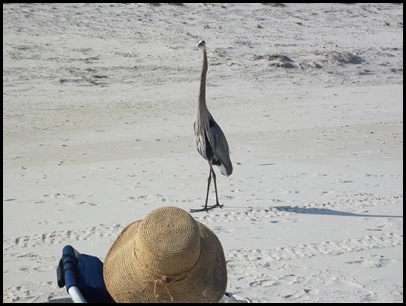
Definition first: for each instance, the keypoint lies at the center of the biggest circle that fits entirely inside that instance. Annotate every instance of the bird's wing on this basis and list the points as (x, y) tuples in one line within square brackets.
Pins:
[(219, 144)]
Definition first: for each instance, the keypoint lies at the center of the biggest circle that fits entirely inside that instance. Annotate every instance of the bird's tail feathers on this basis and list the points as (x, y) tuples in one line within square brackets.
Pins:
[(226, 170)]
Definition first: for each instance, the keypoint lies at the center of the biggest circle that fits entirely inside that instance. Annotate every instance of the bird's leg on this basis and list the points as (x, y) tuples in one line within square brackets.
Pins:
[(208, 187), (207, 208), (215, 188), (207, 193)]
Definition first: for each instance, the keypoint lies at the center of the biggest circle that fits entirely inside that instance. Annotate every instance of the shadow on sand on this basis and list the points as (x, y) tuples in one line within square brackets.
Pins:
[(326, 211)]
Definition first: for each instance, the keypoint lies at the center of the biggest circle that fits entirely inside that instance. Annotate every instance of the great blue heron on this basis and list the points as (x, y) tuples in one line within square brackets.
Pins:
[(210, 140)]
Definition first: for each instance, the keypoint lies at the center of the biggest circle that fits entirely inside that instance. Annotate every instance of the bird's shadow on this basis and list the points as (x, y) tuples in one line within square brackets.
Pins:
[(327, 211)]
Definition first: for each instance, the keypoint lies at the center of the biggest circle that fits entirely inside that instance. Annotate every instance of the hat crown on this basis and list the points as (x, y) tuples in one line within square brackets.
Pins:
[(168, 242)]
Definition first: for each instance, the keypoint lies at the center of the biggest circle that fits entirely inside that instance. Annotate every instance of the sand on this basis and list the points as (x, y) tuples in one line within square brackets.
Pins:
[(99, 102)]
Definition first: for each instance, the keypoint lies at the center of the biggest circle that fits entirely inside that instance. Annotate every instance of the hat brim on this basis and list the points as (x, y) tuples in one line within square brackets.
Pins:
[(127, 281)]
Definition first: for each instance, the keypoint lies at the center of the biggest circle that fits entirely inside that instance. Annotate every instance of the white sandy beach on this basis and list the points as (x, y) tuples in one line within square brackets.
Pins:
[(99, 102)]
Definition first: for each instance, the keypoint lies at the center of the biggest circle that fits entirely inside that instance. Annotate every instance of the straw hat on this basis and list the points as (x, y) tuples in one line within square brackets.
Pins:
[(166, 257)]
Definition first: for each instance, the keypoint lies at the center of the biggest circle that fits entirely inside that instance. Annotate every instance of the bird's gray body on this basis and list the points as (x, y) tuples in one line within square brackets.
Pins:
[(212, 144), (210, 140)]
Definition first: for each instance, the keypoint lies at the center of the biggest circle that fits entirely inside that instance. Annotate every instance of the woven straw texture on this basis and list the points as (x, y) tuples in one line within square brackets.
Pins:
[(166, 257)]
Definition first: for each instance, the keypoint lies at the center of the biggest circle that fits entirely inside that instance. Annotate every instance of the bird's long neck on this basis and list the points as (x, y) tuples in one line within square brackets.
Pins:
[(202, 94)]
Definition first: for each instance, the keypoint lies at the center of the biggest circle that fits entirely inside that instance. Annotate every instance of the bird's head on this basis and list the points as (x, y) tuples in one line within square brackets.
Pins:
[(201, 45)]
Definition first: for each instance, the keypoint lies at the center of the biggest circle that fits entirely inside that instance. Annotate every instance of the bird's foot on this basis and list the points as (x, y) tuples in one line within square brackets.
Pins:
[(214, 206), (198, 209), (206, 208)]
